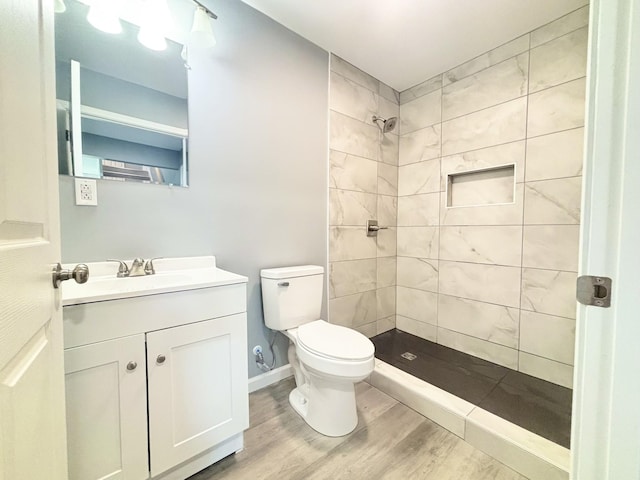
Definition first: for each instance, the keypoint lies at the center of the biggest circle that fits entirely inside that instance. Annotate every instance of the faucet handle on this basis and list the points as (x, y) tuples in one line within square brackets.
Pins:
[(148, 267), (123, 270)]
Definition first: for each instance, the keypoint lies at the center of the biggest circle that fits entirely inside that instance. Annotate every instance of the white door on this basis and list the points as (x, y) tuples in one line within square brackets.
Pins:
[(32, 418), (606, 420), (106, 387), (197, 388)]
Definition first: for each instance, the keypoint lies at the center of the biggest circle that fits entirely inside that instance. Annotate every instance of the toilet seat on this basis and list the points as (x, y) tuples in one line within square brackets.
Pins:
[(320, 346), (334, 342)]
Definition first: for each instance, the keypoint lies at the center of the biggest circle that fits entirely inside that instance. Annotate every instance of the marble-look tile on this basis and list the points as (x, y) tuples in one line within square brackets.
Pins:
[(492, 126), (554, 372), (548, 336), (549, 291), (497, 84), (496, 245), (418, 273), (509, 153), (556, 155), (553, 201), (389, 93), (386, 242), (387, 210), (387, 109), (345, 69), (417, 328), (532, 455), (497, 55), (556, 108), (368, 329), (554, 247), (434, 403), (353, 310), (421, 242), (568, 23), (486, 321), (349, 277), (417, 304), (389, 148), (495, 186), (428, 86), (349, 172), (350, 243), (486, 283), (352, 99), (419, 210), (421, 112), (386, 271), (422, 177), (386, 301), (507, 214), (385, 324), (505, 356), (352, 136), (423, 144), (559, 61), (347, 207), (387, 179)]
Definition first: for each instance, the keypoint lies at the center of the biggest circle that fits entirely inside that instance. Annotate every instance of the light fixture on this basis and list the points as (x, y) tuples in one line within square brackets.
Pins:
[(59, 6), (103, 14), (201, 31), (156, 23)]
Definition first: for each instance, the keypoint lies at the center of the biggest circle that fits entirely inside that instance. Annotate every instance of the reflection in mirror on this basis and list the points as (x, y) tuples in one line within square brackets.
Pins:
[(122, 108)]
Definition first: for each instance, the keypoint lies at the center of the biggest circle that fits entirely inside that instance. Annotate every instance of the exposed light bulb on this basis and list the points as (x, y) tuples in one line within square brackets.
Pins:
[(201, 32), (103, 15), (59, 6), (155, 24)]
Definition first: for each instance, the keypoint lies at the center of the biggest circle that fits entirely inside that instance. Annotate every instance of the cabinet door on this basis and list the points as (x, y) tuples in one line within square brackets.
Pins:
[(107, 410), (198, 397)]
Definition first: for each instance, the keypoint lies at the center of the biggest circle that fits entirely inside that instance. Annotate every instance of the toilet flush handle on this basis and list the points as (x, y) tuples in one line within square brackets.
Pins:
[(283, 284)]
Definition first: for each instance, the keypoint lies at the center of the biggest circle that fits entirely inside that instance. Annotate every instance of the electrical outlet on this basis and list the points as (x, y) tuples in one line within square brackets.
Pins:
[(86, 192)]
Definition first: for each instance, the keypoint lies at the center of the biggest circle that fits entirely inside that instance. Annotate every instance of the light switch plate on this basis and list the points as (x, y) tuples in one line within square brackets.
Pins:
[(86, 192)]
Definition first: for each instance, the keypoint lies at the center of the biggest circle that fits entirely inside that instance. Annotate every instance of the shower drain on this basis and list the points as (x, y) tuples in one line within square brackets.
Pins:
[(409, 356)]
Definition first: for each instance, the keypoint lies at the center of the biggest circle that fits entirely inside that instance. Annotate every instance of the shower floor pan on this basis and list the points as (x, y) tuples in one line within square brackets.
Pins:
[(522, 421)]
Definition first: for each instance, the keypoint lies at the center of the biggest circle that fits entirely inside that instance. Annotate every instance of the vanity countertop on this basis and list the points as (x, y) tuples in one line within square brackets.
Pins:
[(172, 275)]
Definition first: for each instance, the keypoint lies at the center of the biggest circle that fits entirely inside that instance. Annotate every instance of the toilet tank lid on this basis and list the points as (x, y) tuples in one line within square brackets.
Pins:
[(289, 272)]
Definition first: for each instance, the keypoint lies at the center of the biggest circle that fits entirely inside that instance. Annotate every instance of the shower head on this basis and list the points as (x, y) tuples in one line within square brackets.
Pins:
[(387, 124)]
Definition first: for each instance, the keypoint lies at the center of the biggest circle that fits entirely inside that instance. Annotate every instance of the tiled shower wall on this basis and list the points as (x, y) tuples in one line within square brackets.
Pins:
[(496, 280), (363, 185)]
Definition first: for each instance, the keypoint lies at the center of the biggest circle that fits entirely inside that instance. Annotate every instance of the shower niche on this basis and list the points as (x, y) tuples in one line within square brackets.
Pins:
[(486, 186)]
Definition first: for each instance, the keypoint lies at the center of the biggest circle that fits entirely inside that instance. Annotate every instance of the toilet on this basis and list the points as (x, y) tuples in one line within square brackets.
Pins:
[(327, 359)]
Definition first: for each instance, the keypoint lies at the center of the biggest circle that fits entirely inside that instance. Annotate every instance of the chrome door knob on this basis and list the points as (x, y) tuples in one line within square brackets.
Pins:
[(80, 274), (160, 359), (132, 366)]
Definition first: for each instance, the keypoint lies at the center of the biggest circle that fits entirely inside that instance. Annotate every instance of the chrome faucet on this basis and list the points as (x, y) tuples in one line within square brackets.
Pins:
[(138, 268)]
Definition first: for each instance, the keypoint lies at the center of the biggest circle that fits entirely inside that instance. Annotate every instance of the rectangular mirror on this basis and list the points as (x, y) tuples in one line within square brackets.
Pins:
[(122, 108)]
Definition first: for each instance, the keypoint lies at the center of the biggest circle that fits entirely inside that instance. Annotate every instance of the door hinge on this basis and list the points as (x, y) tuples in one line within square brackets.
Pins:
[(594, 290)]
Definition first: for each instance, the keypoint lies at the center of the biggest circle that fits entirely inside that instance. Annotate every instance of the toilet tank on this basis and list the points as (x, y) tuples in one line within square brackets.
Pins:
[(291, 296)]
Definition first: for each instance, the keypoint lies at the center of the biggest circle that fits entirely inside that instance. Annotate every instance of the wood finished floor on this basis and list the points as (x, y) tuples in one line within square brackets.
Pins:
[(391, 441)]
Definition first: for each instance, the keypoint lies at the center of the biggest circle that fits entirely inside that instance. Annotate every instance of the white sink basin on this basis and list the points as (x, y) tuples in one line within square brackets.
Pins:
[(172, 275)]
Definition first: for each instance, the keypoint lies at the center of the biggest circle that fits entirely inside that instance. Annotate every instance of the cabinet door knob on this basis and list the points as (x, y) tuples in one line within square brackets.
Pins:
[(161, 358), (132, 366)]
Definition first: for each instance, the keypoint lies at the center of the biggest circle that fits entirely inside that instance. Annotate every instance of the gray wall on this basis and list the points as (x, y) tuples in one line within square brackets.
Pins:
[(258, 154)]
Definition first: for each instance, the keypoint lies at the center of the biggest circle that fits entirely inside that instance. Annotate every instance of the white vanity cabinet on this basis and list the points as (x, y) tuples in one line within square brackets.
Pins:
[(156, 384), (106, 392)]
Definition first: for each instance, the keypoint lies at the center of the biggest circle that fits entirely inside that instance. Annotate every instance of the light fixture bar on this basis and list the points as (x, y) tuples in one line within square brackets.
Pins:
[(209, 12)]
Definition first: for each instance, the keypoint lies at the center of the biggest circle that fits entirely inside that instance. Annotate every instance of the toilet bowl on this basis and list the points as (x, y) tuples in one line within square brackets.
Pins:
[(327, 359)]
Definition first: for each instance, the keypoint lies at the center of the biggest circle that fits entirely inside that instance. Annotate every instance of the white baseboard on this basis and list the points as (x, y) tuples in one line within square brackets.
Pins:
[(269, 378)]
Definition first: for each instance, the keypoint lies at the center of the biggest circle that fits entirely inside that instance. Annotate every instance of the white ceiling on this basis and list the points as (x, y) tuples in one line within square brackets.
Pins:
[(404, 42)]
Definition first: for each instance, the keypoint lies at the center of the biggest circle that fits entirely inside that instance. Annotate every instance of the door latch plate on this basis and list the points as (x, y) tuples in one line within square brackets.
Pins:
[(594, 290)]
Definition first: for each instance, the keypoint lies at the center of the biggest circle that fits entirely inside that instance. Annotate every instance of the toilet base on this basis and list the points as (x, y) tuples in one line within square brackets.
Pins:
[(329, 407)]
